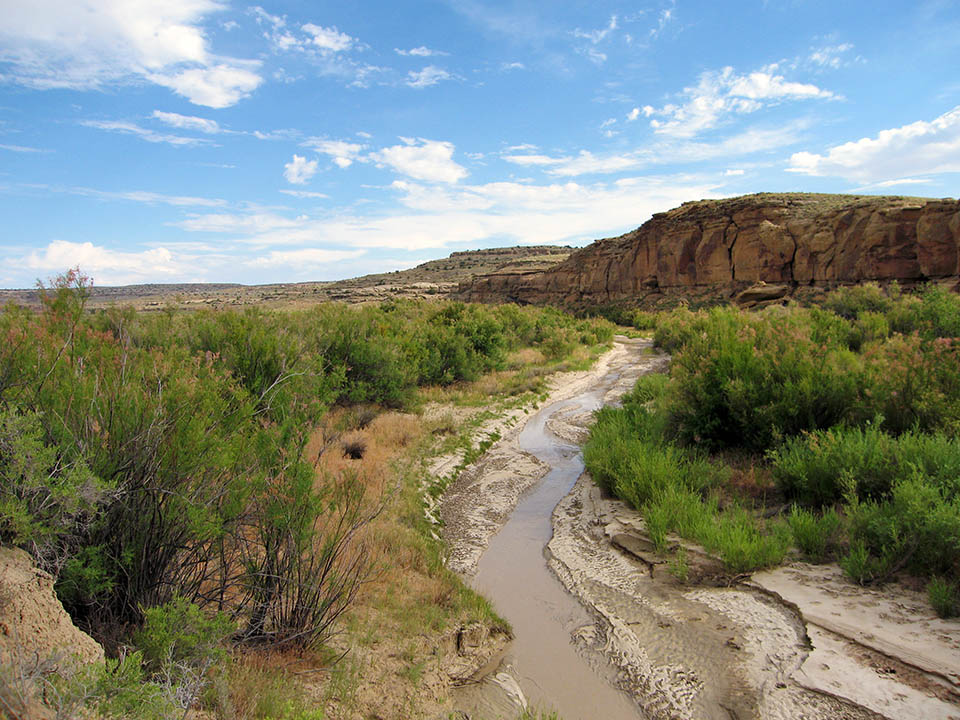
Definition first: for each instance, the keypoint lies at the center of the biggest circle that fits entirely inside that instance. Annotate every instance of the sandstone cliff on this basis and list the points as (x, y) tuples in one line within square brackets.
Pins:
[(722, 248)]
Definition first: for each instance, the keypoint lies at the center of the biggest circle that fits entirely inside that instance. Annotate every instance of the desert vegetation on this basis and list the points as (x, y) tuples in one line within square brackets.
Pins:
[(189, 478), (831, 429)]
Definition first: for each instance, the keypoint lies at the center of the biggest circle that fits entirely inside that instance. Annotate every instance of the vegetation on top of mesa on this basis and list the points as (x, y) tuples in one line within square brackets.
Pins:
[(149, 459), (849, 411)]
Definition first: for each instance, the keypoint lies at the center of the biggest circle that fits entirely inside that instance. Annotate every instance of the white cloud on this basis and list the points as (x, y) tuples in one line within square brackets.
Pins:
[(919, 148), (733, 173), (244, 224), (718, 95), (299, 170), (149, 198), (533, 159), (306, 259), (507, 212), (110, 267), (430, 75), (187, 122), (430, 160), (343, 153), (216, 86), (664, 152), (513, 66), (664, 19), (129, 128), (90, 44), (421, 51), (328, 40), (633, 114)]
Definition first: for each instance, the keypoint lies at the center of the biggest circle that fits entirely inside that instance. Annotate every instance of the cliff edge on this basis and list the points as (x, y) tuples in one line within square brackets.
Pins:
[(735, 247)]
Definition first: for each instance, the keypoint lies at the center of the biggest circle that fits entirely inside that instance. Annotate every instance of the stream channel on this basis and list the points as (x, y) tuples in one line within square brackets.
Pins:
[(513, 573)]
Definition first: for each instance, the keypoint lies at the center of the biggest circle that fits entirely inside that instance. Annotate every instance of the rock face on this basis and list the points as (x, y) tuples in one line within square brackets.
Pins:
[(34, 627), (720, 248)]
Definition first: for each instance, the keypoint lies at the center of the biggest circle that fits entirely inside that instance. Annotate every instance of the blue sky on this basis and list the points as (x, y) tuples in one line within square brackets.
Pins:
[(204, 141)]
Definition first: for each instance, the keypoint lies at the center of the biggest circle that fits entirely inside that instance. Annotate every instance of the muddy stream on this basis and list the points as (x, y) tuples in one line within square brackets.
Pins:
[(602, 628), (514, 575)]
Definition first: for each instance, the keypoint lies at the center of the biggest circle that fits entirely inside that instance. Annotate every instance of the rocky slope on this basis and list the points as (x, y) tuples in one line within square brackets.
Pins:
[(753, 247)]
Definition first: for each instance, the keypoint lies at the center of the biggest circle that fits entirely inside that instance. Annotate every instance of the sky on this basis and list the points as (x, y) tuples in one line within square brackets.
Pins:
[(214, 141)]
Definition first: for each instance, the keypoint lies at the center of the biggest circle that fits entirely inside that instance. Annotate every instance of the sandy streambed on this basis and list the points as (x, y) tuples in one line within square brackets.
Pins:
[(603, 629)]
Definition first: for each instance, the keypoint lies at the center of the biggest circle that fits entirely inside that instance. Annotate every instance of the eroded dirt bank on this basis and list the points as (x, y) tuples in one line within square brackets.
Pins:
[(796, 642)]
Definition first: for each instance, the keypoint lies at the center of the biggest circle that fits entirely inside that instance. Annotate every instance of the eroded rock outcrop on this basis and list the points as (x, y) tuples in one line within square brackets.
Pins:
[(720, 248)]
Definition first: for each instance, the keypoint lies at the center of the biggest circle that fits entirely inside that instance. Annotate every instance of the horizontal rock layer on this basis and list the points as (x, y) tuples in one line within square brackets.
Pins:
[(719, 248)]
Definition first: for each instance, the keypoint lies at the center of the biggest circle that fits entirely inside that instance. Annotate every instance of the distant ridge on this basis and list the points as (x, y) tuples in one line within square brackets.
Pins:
[(431, 278)]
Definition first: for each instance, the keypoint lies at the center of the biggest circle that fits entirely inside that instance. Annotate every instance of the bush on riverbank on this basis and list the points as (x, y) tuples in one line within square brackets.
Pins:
[(167, 457), (852, 405)]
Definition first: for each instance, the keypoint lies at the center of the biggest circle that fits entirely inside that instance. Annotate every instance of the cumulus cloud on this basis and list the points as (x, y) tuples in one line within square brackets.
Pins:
[(919, 148), (328, 39), (421, 159), (90, 44), (110, 267), (187, 122), (129, 128), (633, 114), (430, 75), (342, 152), (718, 95), (299, 170), (217, 86)]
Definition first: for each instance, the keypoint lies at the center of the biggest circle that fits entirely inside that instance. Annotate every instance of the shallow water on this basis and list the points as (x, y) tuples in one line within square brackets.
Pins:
[(514, 575)]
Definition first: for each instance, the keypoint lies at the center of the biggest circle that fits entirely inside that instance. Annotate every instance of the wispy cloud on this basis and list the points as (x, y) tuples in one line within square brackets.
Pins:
[(721, 94), (128, 128), (439, 216), (187, 122), (919, 148), (305, 194), (23, 149), (149, 198), (663, 152), (597, 36), (421, 51)]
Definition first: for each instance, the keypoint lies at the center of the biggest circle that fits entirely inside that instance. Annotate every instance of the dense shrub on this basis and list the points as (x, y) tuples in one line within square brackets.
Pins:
[(820, 467)]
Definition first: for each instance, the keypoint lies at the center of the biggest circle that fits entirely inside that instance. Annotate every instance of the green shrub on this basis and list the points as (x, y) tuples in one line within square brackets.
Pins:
[(178, 636), (46, 499), (814, 536), (917, 528), (820, 467), (944, 597), (849, 302)]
